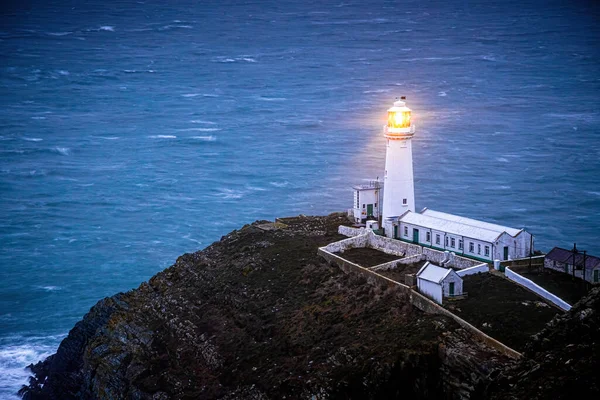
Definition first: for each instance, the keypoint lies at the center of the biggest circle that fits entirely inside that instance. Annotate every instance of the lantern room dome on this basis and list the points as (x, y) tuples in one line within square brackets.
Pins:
[(399, 121)]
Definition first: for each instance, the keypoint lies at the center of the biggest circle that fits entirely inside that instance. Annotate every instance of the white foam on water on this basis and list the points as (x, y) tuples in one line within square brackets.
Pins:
[(109, 137), (230, 194), (442, 94), (13, 362), (58, 33), (199, 94), (38, 117), (200, 121), (376, 91), (107, 28), (280, 184), (252, 60), (205, 138), (135, 71), (33, 139), (162, 137), (50, 288), (65, 151), (199, 129), (63, 72), (271, 98), (501, 159)]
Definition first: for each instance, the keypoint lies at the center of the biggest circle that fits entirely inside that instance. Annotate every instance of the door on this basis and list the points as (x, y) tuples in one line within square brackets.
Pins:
[(596, 277), (451, 289), (369, 210), (395, 231), (506, 252), (415, 235)]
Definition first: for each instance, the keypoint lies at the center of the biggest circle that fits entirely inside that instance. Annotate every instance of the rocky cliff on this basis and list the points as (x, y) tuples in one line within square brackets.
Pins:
[(258, 315)]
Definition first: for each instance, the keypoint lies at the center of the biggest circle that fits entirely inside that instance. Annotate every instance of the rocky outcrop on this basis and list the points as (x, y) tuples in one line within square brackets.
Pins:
[(561, 362), (258, 315)]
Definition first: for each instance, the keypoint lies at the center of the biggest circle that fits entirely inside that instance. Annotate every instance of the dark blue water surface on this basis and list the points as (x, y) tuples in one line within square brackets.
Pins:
[(134, 131)]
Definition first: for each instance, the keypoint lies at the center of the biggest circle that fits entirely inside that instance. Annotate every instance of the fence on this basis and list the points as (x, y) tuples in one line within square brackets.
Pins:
[(513, 276)]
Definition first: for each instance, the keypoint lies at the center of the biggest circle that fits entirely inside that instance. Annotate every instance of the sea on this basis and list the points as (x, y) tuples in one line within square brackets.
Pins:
[(132, 132)]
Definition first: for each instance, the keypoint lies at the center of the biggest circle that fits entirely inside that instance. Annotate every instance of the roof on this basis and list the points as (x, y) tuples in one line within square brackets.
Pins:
[(369, 186), (433, 273), (452, 227), (566, 256), (472, 222)]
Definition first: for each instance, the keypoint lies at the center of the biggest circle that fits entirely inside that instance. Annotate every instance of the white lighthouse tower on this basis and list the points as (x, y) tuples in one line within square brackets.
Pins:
[(399, 192)]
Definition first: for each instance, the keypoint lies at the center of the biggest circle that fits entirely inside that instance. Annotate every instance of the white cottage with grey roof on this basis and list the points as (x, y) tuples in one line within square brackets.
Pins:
[(437, 282), (463, 236)]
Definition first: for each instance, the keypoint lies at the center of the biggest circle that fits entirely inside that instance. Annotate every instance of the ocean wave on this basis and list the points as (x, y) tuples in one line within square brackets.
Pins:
[(205, 138), (58, 33), (199, 94), (33, 139), (162, 137), (13, 362), (376, 91), (442, 94), (263, 98), (232, 60), (108, 137), (107, 28), (169, 27), (279, 184), (200, 121), (230, 194), (199, 129), (38, 117), (65, 151), (137, 71), (49, 288)]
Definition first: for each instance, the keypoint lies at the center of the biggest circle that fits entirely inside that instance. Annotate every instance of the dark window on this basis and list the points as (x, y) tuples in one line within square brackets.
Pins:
[(429, 236), (437, 239), (404, 201), (452, 242), (471, 247)]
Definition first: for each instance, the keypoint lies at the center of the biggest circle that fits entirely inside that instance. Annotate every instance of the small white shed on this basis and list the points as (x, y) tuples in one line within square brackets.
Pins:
[(438, 282)]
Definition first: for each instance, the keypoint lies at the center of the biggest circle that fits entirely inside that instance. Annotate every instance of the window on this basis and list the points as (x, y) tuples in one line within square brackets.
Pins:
[(471, 247), (363, 206), (487, 251), (446, 242), (478, 249), (429, 236), (437, 239), (460, 244), (406, 231), (375, 205), (404, 201), (452, 242)]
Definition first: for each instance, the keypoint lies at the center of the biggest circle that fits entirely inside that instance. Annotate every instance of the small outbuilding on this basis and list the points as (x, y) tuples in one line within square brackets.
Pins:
[(438, 282), (586, 267)]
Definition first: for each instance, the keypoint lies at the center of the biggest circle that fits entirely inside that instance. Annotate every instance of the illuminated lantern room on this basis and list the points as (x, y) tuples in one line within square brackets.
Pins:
[(399, 120)]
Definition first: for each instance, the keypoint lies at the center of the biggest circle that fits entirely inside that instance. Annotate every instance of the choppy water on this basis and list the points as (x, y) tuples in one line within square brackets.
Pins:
[(132, 132)]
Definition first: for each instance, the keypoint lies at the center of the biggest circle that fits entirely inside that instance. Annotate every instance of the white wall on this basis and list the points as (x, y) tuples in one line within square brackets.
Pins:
[(481, 268), (430, 289), (513, 276), (398, 178), (458, 284), (366, 197)]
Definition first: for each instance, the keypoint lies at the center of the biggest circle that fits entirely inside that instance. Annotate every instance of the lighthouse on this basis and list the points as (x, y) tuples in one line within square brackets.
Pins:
[(399, 192)]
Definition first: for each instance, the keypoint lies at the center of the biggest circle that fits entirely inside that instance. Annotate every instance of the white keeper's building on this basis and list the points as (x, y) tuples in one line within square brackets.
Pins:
[(461, 235)]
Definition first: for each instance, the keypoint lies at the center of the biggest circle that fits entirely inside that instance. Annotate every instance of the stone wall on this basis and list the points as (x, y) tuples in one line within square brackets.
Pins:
[(478, 269), (521, 280), (342, 245), (437, 256), (350, 231), (393, 246), (393, 264)]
